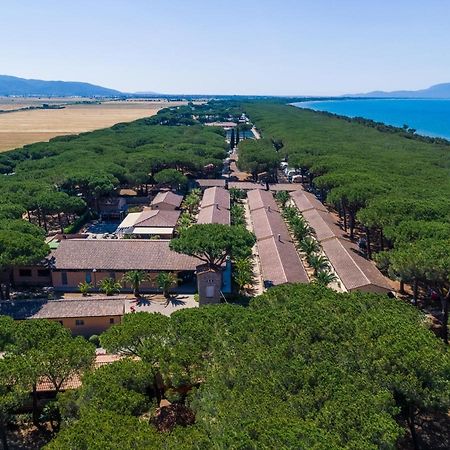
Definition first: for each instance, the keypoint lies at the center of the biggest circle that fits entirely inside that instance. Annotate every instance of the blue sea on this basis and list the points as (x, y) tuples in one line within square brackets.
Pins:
[(428, 117)]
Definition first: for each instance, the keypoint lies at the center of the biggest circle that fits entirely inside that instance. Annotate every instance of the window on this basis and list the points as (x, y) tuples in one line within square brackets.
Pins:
[(209, 291), (64, 278), (61, 322), (112, 275), (88, 277), (43, 273), (111, 320), (25, 272), (79, 322)]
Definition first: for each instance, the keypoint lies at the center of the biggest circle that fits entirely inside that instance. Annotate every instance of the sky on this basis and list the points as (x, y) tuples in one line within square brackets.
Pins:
[(250, 47)]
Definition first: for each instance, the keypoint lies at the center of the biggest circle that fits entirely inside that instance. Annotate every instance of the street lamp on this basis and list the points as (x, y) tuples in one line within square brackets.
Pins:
[(94, 271)]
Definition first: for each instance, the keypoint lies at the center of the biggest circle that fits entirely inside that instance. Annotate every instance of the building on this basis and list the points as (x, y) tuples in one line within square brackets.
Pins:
[(150, 223), (205, 183), (32, 276), (113, 208), (215, 206), (355, 272), (209, 282), (278, 256), (166, 200), (89, 260), (248, 186), (81, 317)]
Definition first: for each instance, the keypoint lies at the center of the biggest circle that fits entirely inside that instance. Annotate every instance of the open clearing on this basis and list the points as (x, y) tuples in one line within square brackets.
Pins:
[(25, 127)]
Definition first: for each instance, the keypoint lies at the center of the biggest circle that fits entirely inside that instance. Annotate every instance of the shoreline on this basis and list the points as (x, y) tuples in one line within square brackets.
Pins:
[(312, 106)]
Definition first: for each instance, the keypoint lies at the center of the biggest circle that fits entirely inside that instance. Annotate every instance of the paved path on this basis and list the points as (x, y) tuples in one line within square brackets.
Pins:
[(158, 304)]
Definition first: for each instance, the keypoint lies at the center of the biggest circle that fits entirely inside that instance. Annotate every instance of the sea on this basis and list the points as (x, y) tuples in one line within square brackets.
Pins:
[(427, 117)]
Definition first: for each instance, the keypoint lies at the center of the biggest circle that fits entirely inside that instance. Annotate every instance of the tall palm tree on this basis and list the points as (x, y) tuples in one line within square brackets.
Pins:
[(166, 281), (135, 278)]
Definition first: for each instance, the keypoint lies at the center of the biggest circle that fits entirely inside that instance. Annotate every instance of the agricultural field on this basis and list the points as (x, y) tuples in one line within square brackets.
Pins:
[(36, 125)]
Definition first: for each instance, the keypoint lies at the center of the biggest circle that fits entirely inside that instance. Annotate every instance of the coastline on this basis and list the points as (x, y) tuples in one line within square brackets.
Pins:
[(427, 132)]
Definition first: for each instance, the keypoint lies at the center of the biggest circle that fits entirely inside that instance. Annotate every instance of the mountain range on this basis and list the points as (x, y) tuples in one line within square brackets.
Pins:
[(10, 85), (437, 91)]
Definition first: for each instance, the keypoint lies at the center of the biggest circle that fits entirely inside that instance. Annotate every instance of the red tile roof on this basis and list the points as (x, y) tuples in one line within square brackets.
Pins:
[(246, 185), (120, 254), (267, 223), (280, 262), (157, 218), (206, 182), (169, 198), (258, 198), (306, 201), (214, 214), (323, 225), (216, 196), (355, 272)]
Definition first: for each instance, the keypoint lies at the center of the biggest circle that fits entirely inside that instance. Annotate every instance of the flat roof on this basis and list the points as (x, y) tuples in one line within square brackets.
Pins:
[(60, 309), (120, 254), (153, 230)]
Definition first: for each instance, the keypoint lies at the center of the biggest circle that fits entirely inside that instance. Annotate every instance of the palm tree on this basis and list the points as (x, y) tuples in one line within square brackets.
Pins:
[(300, 229), (243, 272), (135, 278), (282, 197), (318, 263), (110, 286), (191, 202), (324, 277), (165, 281), (185, 221), (84, 288), (309, 246)]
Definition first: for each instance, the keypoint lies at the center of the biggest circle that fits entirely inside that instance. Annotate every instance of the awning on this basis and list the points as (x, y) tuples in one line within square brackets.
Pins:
[(129, 220), (153, 230)]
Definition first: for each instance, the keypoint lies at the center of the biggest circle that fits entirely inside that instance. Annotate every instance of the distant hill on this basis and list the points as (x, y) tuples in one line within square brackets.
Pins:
[(20, 86), (437, 91)]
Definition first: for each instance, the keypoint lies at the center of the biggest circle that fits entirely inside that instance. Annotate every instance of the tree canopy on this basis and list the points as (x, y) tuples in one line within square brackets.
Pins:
[(301, 367)]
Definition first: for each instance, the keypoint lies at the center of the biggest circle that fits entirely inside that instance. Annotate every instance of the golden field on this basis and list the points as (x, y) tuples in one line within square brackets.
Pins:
[(25, 127)]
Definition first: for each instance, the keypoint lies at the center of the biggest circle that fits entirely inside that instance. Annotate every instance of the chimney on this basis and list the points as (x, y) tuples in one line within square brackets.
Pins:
[(279, 237)]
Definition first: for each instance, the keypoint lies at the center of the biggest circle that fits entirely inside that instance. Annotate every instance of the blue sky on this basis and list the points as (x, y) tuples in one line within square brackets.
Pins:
[(284, 47)]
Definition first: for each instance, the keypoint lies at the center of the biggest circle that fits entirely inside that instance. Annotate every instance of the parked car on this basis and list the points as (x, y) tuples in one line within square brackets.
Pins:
[(296, 179)]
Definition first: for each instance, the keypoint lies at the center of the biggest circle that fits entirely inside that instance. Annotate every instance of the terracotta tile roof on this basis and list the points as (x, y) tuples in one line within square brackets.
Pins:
[(157, 218), (60, 309), (169, 198), (258, 198), (267, 223), (206, 182), (120, 254), (355, 272), (216, 196), (280, 262), (214, 214), (75, 382), (323, 225), (306, 201), (247, 186)]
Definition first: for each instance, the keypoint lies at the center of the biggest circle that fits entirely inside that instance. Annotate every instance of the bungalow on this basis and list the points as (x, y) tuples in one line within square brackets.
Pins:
[(150, 223), (215, 206), (166, 200), (81, 317), (89, 260)]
